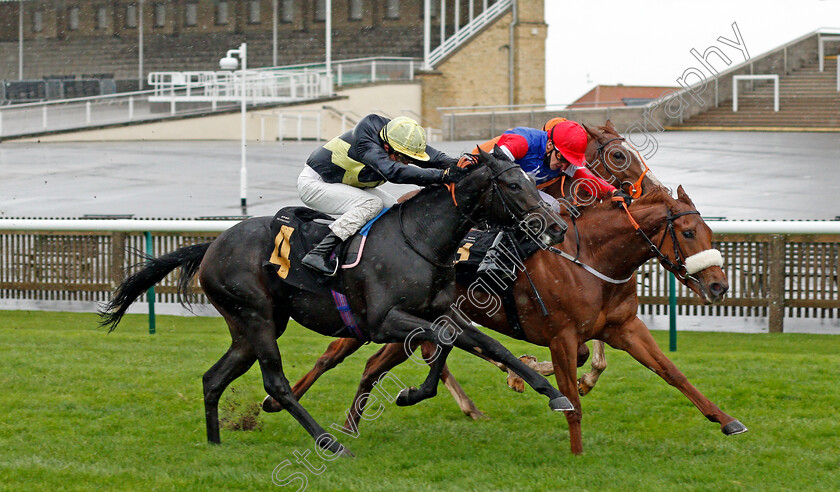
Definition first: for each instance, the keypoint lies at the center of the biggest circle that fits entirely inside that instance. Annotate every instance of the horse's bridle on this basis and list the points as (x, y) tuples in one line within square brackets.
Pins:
[(510, 208), (679, 269), (635, 190)]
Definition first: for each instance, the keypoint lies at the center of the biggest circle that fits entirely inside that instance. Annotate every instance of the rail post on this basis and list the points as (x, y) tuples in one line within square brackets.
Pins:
[(150, 294), (672, 312), (776, 284)]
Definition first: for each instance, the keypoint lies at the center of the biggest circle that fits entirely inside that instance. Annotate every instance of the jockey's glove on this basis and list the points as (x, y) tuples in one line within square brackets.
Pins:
[(623, 196), (453, 174)]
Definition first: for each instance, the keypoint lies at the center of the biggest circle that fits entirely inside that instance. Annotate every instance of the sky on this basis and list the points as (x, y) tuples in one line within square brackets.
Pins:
[(647, 42)]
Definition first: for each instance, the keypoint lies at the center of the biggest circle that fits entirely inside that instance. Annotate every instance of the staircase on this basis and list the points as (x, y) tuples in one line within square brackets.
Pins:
[(808, 100)]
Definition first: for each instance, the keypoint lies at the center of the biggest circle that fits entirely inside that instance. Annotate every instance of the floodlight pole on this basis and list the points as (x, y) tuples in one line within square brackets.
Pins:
[(242, 53)]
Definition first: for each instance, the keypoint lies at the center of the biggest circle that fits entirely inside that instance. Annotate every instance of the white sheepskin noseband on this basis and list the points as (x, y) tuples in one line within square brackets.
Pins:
[(703, 260)]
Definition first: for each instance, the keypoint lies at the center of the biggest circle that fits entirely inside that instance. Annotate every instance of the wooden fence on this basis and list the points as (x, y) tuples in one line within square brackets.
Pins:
[(770, 275)]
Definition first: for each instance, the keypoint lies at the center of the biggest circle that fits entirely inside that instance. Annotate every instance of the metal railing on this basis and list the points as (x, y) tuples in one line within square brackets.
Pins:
[(261, 86), (775, 269), (205, 91), (463, 33)]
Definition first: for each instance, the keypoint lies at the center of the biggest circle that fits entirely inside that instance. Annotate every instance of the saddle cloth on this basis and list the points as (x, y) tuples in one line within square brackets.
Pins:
[(296, 230)]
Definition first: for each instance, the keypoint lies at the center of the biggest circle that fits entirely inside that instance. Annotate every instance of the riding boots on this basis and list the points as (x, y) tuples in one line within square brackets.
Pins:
[(319, 258)]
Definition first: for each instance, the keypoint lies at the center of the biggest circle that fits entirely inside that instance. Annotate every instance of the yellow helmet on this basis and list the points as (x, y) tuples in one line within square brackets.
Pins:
[(407, 137)]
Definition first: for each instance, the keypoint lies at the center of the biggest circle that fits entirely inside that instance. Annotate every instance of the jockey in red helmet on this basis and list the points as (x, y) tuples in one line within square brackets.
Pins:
[(546, 154)]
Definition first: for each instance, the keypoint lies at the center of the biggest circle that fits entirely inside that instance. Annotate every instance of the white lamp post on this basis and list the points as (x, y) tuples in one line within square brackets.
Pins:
[(230, 63)]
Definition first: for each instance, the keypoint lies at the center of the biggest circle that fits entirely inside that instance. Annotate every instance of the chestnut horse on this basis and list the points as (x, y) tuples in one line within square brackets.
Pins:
[(609, 156), (669, 229)]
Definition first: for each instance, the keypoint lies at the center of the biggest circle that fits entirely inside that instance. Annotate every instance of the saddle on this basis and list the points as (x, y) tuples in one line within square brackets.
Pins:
[(296, 230)]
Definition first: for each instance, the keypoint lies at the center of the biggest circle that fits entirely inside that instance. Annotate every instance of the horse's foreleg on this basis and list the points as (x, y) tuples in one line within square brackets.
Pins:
[(464, 402), (564, 351), (401, 326), (636, 340), (335, 354), (236, 362), (599, 364), (474, 341)]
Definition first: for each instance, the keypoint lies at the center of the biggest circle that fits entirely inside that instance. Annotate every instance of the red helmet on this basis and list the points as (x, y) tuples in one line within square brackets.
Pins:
[(570, 139)]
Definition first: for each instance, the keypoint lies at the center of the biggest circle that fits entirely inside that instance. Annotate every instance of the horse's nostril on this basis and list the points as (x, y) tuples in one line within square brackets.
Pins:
[(717, 289)]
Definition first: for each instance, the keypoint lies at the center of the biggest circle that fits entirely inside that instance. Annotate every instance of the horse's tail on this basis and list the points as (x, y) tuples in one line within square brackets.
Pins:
[(188, 258)]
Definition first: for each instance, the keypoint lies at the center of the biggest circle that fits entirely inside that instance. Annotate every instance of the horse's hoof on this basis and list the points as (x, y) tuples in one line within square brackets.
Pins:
[(733, 428), (516, 383), (345, 453), (270, 405), (561, 404), (403, 398), (583, 389)]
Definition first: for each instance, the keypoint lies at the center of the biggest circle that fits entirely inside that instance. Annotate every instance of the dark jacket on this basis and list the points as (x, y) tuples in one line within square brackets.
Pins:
[(358, 159)]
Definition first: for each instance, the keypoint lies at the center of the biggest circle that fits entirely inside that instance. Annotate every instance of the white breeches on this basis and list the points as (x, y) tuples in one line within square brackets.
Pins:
[(355, 205)]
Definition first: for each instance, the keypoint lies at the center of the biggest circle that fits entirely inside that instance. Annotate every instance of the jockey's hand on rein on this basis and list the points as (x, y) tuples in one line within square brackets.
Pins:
[(624, 197), (453, 174)]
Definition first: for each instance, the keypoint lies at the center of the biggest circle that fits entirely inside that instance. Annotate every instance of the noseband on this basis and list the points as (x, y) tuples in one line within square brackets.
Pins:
[(678, 267)]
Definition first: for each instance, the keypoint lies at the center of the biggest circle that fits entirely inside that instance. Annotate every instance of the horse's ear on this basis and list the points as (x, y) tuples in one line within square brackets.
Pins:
[(683, 196), (498, 153), (594, 133), (485, 158), (609, 125)]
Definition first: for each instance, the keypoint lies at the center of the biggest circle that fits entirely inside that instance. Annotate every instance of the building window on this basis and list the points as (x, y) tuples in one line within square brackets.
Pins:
[(221, 13), (160, 14), (73, 19), (355, 9), (37, 21), (320, 10), (287, 10), (254, 11), (101, 17), (191, 14), (392, 9), (131, 16)]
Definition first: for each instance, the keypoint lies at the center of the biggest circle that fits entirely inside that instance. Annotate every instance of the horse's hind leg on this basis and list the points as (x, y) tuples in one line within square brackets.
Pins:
[(599, 364), (636, 340), (263, 338), (236, 362), (335, 354)]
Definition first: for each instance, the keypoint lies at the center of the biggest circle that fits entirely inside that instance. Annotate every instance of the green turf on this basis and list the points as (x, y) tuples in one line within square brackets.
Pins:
[(85, 410)]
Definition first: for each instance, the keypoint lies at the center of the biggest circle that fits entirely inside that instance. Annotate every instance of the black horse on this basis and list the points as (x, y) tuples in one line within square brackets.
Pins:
[(403, 285)]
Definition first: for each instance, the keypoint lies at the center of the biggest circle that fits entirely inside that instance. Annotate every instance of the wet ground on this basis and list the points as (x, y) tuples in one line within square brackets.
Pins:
[(737, 175)]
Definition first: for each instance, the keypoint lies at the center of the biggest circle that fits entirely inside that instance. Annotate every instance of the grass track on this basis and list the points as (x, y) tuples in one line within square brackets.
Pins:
[(83, 410)]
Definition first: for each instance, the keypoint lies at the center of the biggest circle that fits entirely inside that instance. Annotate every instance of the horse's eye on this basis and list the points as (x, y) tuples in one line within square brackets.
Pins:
[(689, 234), (618, 155), (514, 187)]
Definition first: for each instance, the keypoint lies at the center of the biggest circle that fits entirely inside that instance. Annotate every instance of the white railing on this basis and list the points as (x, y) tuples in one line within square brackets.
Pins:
[(75, 114), (146, 225), (364, 70), (210, 90), (772, 77), (462, 34), (261, 86)]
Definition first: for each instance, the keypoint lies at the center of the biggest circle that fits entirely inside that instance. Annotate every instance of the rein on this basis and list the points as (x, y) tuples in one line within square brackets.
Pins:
[(635, 188), (678, 267), (509, 208)]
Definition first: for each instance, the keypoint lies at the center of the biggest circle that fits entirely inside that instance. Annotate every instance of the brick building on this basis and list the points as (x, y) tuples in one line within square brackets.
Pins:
[(79, 37)]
